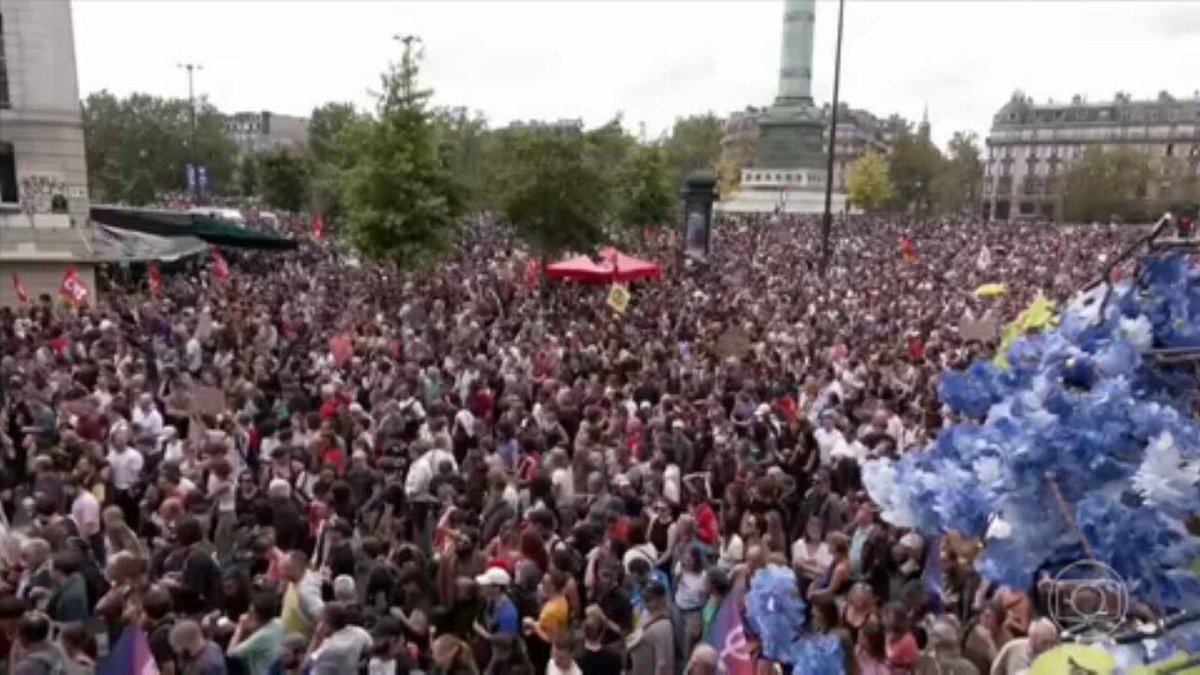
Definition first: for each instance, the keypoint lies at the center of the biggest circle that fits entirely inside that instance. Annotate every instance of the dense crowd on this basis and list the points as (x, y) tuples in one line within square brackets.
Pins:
[(315, 466)]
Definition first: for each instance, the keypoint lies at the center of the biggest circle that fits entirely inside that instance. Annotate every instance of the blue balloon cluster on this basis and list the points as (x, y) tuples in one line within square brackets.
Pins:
[(1085, 432), (776, 614)]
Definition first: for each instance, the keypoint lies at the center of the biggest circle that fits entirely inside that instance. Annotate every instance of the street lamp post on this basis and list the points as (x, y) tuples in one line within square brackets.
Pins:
[(191, 68), (827, 217)]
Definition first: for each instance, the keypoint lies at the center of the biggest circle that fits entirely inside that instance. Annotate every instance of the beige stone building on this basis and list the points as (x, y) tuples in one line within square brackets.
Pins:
[(1032, 143), (43, 170)]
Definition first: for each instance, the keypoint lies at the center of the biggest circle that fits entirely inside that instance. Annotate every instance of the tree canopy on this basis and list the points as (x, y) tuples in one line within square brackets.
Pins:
[(694, 143), (1103, 184), (912, 166), (400, 199), (956, 186), (285, 179), (868, 185), (139, 146)]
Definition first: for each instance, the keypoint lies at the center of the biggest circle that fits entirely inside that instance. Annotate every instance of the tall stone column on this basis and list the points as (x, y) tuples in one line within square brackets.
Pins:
[(795, 61)]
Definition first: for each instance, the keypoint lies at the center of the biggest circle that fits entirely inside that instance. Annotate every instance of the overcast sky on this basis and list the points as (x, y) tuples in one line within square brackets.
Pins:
[(652, 61)]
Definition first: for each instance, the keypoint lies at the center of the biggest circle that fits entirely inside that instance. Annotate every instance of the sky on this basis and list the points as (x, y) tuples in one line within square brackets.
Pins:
[(649, 61)]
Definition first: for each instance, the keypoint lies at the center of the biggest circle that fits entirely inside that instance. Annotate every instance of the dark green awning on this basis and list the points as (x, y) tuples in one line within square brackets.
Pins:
[(215, 231)]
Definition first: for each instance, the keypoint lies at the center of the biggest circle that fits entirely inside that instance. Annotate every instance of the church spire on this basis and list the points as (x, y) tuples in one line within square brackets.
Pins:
[(923, 127)]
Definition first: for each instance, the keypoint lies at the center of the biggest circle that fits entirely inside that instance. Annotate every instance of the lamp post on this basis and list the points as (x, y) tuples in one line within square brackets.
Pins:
[(191, 68), (827, 217)]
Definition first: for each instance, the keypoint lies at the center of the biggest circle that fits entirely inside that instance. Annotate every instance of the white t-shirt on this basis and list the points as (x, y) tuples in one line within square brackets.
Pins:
[(126, 467), (829, 441), (226, 502), (553, 669), (821, 558), (563, 481), (150, 422)]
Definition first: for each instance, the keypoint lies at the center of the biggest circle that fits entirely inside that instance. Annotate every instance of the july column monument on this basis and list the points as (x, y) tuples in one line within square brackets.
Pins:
[(789, 172)]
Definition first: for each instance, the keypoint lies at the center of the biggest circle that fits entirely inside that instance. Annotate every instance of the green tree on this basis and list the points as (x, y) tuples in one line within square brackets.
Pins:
[(1178, 186), (646, 198), (556, 197), (285, 175), (141, 144), (461, 138), (400, 198), (694, 143), (868, 185), (912, 166), (328, 127), (247, 175), (737, 153), (1105, 184), (957, 185)]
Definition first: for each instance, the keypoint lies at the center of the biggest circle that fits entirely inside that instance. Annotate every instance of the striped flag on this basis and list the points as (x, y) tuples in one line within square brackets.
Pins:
[(727, 635), (129, 656)]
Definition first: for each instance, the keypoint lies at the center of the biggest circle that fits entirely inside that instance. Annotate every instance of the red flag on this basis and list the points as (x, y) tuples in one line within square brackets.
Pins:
[(220, 269), (19, 289), (533, 270), (318, 226), (154, 276), (907, 248), (342, 348), (72, 288)]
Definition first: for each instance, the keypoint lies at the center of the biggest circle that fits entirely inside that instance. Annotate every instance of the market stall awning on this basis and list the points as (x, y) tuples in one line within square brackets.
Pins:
[(629, 268), (173, 224), (110, 244), (580, 268)]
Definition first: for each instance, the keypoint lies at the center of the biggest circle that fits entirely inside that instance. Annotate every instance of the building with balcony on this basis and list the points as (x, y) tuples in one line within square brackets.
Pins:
[(1031, 144), (265, 130)]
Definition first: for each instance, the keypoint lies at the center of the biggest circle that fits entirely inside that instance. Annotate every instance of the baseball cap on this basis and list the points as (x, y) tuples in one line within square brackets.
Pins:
[(494, 577)]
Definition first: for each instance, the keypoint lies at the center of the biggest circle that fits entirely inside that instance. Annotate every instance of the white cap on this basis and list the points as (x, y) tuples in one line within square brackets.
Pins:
[(494, 576)]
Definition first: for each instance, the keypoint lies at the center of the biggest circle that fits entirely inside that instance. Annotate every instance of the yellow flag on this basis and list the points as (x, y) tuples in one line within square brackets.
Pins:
[(1038, 315), (618, 298)]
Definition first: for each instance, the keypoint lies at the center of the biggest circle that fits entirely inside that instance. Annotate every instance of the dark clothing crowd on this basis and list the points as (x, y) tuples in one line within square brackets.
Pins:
[(315, 465)]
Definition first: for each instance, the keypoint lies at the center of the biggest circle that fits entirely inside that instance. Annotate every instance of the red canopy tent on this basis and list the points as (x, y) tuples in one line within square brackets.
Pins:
[(629, 268), (580, 268)]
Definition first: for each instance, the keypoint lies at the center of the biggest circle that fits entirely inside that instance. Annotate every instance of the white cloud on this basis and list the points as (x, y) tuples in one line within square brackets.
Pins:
[(652, 61)]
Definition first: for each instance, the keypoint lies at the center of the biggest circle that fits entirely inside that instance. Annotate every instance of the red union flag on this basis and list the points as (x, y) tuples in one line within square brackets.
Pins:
[(19, 289), (72, 288), (220, 269)]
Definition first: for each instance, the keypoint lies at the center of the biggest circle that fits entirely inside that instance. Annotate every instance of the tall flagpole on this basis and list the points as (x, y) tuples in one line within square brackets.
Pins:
[(827, 218)]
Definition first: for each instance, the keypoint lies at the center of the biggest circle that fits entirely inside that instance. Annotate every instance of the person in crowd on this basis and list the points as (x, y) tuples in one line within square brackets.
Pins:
[(321, 466), (195, 653), (258, 636), (39, 655)]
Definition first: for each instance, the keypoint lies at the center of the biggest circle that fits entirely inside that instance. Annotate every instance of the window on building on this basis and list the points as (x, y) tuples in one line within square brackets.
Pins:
[(8, 174), (5, 103), (1170, 149)]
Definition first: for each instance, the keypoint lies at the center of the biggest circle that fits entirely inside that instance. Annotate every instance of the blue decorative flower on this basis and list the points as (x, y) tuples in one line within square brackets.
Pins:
[(1082, 433)]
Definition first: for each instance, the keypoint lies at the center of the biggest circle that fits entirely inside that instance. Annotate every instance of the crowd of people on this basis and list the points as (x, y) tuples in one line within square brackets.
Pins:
[(314, 466)]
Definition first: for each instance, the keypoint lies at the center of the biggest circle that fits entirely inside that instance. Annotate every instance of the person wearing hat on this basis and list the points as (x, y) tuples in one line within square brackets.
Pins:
[(502, 616), (652, 645)]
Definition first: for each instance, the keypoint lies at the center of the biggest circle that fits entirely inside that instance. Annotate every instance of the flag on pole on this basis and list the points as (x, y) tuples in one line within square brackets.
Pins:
[(72, 289), (129, 656), (154, 277), (533, 271), (19, 289), (220, 269), (907, 248), (318, 226)]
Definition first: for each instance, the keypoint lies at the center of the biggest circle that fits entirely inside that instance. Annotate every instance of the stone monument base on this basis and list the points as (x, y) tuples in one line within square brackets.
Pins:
[(799, 190)]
